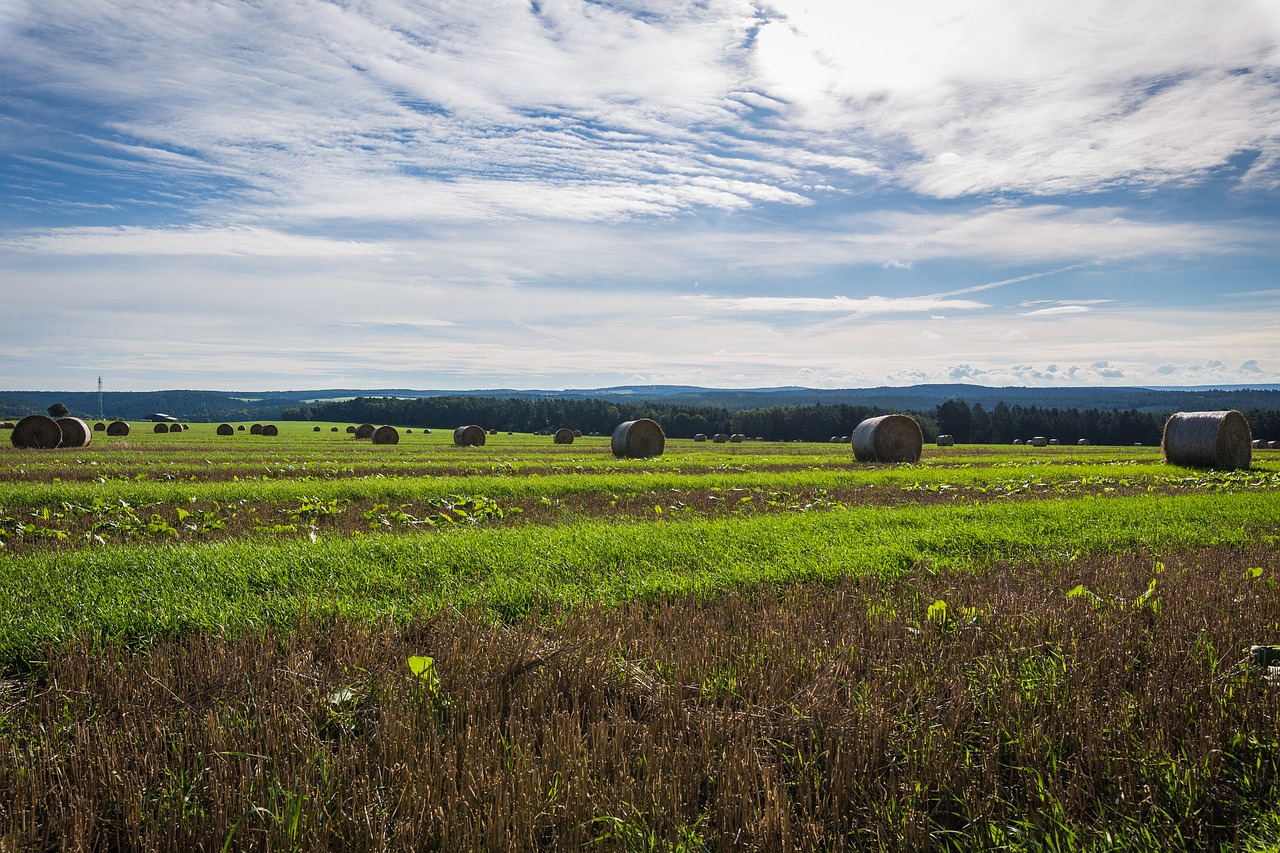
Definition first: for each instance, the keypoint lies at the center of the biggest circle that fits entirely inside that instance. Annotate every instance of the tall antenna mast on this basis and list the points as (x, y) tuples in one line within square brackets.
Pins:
[(100, 399)]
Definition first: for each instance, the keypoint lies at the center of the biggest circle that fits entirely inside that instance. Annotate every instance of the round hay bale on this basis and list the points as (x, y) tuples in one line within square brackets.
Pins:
[(737, 438), (493, 431), (426, 431), (333, 429), (1084, 442), (638, 439), (256, 429), (186, 427), (175, 427), (720, 438), (386, 435), (1053, 442), (270, 429), (99, 427), (888, 438), (1273, 445), (350, 430), (1017, 441), (700, 437), (315, 429), (946, 441), (6, 425), (117, 428), (577, 433), (160, 428), (564, 435), (835, 439), (409, 431), (1258, 444), (75, 432), (1207, 440), (240, 428), (365, 431), (36, 432), (226, 429), (469, 436), (1039, 441)]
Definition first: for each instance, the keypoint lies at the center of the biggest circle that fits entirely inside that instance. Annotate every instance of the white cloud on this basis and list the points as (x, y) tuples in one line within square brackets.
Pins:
[(1057, 310)]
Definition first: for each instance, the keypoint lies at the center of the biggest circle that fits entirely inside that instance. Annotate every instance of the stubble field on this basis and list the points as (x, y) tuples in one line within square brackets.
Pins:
[(311, 642)]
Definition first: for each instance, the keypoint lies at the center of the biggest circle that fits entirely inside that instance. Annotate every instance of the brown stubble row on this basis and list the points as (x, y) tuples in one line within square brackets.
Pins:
[(837, 717)]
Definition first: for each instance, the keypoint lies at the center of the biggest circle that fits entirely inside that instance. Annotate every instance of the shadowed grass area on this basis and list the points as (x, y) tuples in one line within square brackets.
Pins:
[(1101, 702)]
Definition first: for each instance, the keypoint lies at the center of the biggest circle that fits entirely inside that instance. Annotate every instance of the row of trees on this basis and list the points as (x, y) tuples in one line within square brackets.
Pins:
[(969, 424)]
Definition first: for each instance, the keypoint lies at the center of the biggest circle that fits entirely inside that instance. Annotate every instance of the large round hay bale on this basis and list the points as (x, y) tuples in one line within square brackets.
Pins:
[(117, 428), (720, 437), (75, 432), (638, 439), (226, 429), (365, 431), (99, 427), (256, 429), (946, 441), (564, 435), (160, 428), (1207, 440), (888, 438), (386, 435), (469, 436), (36, 432), (1273, 445), (270, 429), (700, 437), (175, 427)]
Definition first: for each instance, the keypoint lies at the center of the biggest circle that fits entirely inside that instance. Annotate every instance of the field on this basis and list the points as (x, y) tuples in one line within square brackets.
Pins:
[(311, 642)]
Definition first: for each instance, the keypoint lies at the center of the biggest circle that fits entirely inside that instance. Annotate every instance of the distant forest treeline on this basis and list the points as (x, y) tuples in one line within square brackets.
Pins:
[(970, 424)]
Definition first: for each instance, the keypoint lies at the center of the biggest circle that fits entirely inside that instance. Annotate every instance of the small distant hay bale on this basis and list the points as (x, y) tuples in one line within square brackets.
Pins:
[(426, 431), (888, 438), (186, 426), (6, 425), (333, 429), (946, 440), (720, 437), (175, 427), (835, 439), (117, 428), (638, 439), (38, 432), (1039, 441), (702, 436), (1273, 445), (226, 429), (315, 429), (564, 435), (577, 433), (1053, 442), (1017, 441), (350, 430), (99, 427), (75, 432), (1084, 442), (240, 428), (256, 429), (493, 431), (270, 429), (409, 431), (386, 435), (160, 428), (365, 431), (1207, 440), (737, 438), (469, 436), (1258, 444)]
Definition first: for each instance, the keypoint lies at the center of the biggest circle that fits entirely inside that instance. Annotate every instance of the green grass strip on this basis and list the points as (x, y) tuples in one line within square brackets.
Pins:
[(144, 591)]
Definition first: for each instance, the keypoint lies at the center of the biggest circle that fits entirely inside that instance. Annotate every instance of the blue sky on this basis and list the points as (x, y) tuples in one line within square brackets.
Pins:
[(552, 194)]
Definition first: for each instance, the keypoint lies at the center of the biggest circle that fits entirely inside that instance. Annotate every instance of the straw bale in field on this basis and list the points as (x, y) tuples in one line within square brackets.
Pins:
[(469, 436), (1273, 445), (888, 438), (1017, 441), (700, 437), (1258, 444), (946, 441), (720, 438), (350, 430), (240, 428), (365, 431), (315, 429), (270, 429), (1207, 440), (75, 432), (1083, 442), (1039, 441), (493, 431), (1053, 442), (426, 431), (638, 439), (175, 427), (333, 429), (577, 433), (226, 429), (737, 438), (386, 435), (117, 428), (256, 429), (564, 435), (36, 432), (99, 427), (6, 425)]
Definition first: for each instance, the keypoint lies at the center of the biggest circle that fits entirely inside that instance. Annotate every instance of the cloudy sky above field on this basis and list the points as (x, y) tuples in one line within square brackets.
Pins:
[(582, 193)]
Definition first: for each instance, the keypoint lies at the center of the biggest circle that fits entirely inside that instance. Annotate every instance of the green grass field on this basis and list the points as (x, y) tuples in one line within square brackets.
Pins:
[(994, 648)]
